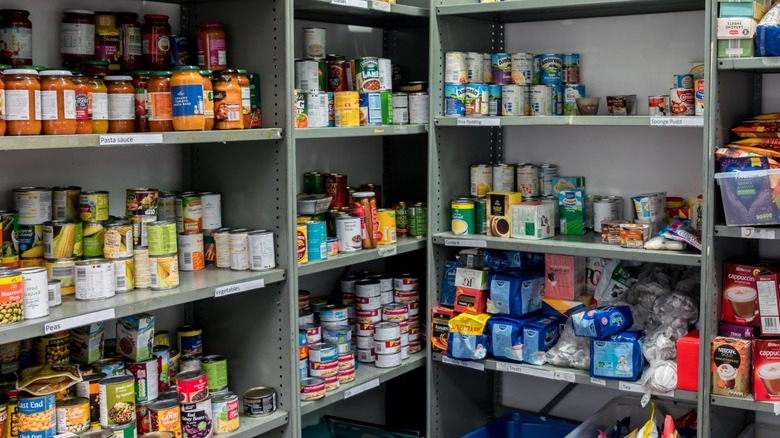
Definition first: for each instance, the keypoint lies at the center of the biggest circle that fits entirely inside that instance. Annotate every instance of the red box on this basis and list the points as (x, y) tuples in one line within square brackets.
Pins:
[(564, 276), (748, 289), (471, 301), (688, 362), (766, 369)]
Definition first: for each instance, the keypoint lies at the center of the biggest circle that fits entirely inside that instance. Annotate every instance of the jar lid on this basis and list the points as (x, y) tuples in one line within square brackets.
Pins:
[(159, 73), (185, 67), (78, 11), (20, 71), (55, 73), (363, 194), (242, 71), (202, 72), (4, 66), (38, 68), (139, 72), (104, 13), (210, 24), (14, 11), (118, 78), (155, 17), (127, 14), (94, 62)]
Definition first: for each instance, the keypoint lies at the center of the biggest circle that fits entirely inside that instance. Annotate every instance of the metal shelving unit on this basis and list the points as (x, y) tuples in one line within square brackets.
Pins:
[(364, 12), (256, 426), (536, 10), (404, 245), (362, 131), (639, 121)]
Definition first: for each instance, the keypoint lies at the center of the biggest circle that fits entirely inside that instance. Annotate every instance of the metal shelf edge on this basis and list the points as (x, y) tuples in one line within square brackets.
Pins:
[(747, 403), (361, 131), (527, 10), (252, 427), (600, 120), (758, 64), (404, 245), (761, 233)]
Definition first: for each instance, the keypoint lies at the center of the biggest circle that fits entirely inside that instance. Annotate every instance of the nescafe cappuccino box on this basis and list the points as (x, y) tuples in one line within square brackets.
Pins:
[(750, 296), (730, 365), (766, 369)]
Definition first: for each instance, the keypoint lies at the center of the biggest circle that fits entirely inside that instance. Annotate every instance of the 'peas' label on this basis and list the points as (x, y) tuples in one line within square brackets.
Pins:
[(187, 100)]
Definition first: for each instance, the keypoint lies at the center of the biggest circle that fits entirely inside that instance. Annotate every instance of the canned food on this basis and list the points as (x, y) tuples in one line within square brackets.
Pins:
[(406, 282), (699, 97), (215, 366), (682, 102), (387, 232), (222, 247), (570, 94), (142, 276), (54, 289), (141, 202), (387, 347), (522, 67), (62, 239), (36, 293), (33, 205), (65, 203), (192, 386), (337, 334), (9, 225), (189, 213), (366, 355), (239, 249), (494, 100), (259, 401), (455, 68), (551, 69), (401, 108), (147, 377), (118, 240), (346, 108), (501, 68), (165, 416), (385, 331), (93, 235), (388, 360), (454, 100), (305, 317), (504, 177), (93, 206), (546, 174), (166, 206), (162, 237), (37, 416), (481, 179), (261, 250), (333, 313), (323, 352), (162, 354), (313, 333), (29, 241), (331, 383), (570, 73), (99, 433), (190, 339), (224, 411), (364, 342), (312, 389), (190, 362), (528, 180), (109, 367), (368, 288), (117, 401), (515, 100), (349, 234), (462, 223), (476, 100), (658, 105), (316, 240), (211, 203), (196, 419), (419, 105), (347, 375), (418, 220), (541, 100), (95, 279), (89, 389), (164, 271), (338, 71), (124, 274), (324, 369), (73, 415), (367, 75), (395, 312), (191, 256)]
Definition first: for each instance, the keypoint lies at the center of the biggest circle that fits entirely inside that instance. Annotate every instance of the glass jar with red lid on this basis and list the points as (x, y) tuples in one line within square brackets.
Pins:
[(15, 37), (130, 33), (156, 44)]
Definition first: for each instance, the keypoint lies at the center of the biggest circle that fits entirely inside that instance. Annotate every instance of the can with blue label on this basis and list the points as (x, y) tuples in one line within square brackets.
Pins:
[(454, 100), (494, 100), (551, 65), (571, 68), (557, 97), (477, 100), (514, 100), (683, 81), (370, 109), (522, 68), (536, 78), (37, 416), (541, 100), (501, 67), (570, 94), (317, 240), (303, 368)]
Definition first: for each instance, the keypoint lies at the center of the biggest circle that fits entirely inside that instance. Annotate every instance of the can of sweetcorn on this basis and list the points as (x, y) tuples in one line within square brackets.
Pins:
[(62, 239), (164, 271)]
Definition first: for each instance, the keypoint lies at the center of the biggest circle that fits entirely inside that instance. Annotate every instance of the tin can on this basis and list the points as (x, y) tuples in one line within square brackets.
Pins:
[(401, 218), (454, 100), (365, 355), (117, 401), (370, 109), (368, 288), (346, 108), (317, 108), (164, 271), (190, 339), (476, 100), (211, 204), (604, 210), (658, 105), (189, 213), (551, 69), (494, 100), (190, 362), (570, 94), (89, 389), (401, 108), (196, 418), (419, 105), (682, 102), (683, 81), (54, 289), (9, 226), (239, 249), (93, 236), (474, 66), (36, 293), (387, 347), (313, 183), (367, 75), (418, 220), (316, 240), (501, 68), (261, 250), (546, 174), (322, 352), (165, 416), (406, 282), (331, 113), (301, 112), (259, 401), (324, 369), (312, 389), (162, 237), (385, 67), (307, 76), (503, 177), (118, 240), (110, 367), (589, 201), (142, 277), (140, 202), (337, 334), (95, 279), (215, 366), (337, 75), (480, 216), (541, 100), (224, 410), (394, 312), (386, 99), (455, 68), (162, 338), (53, 348), (65, 203), (73, 415), (386, 217), (462, 223), (36, 416), (528, 180), (699, 97), (221, 247), (522, 65), (124, 273), (173, 366), (336, 187), (349, 234), (570, 72), (29, 241), (513, 100), (388, 360), (93, 206), (162, 354), (125, 431), (191, 256), (192, 386), (314, 42), (34, 205), (147, 378), (166, 206), (302, 251), (487, 68)]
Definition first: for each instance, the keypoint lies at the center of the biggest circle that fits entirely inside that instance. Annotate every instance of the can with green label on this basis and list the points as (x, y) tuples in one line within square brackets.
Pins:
[(126, 431), (117, 401), (215, 366), (314, 183), (418, 220), (387, 107), (480, 216), (463, 217)]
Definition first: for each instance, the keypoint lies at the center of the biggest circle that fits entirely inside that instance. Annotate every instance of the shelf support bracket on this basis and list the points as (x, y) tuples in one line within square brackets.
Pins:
[(557, 399)]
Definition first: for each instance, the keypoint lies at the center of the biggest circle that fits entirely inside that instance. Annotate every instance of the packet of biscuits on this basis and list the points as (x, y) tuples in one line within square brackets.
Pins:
[(48, 379)]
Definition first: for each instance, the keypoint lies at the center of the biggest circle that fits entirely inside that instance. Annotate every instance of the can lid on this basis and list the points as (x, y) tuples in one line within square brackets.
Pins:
[(224, 397), (163, 404), (72, 401), (260, 392)]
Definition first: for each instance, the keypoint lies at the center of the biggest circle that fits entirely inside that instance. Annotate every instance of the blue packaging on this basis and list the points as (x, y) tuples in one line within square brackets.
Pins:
[(505, 337), (539, 335), (303, 368), (371, 108), (317, 240), (454, 100), (180, 52), (602, 321), (515, 294), (536, 78), (331, 111), (38, 406), (447, 297), (557, 98), (551, 69), (494, 100), (619, 357), (504, 260), (466, 339)]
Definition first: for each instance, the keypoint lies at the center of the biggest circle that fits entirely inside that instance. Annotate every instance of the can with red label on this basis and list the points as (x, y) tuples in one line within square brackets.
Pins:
[(681, 102), (658, 105), (699, 97), (192, 386), (147, 378), (224, 413)]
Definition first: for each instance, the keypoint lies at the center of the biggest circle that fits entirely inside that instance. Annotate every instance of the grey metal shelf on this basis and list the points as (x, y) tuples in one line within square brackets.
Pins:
[(586, 245), (762, 233), (536, 10), (746, 403), (255, 426), (193, 286), (605, 120), (368, 377), (139, 139), (364, 12), (755, 65), (404, 244), (360, 131), (560, 374)]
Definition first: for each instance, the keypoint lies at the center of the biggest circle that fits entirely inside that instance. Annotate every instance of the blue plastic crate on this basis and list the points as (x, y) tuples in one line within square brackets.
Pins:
[(332, 427), (524, 425)]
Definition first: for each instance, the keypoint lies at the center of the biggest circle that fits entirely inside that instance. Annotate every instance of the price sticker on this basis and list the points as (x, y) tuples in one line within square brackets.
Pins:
[(371, 384), (467, 121), (466, 243), (129, 139), (362, 4), (676, 121), (387, 250), (464, 363), (757, 233), (78, 321), (599, 382), (380, 6), (631, 387), (564, 376), (238, 288)]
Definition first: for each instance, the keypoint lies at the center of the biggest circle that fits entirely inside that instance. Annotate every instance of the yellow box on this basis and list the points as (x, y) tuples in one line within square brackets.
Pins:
[(499, 214)]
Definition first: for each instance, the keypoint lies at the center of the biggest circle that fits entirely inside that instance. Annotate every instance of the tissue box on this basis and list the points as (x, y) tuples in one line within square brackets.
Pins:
[(571, 212), (539, 335), (744, 48), (736, 28), (533, 220), (564, 276), (499, 213), (471, 287), (618, 357), (688, 362)]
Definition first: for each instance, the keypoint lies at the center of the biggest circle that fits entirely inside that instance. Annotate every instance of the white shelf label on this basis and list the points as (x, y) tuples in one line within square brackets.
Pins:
[(564, 376), (596, 381), (401, 129), (677, 121), (238, 288), (380, 6), (467, 121), (631, 387), (466, 243), (776, 407), (127, 139), (363, 387), (509, 367), (387, 250), (78, 321), (537, 372), (757, 233), (464, 363), (363, 4)]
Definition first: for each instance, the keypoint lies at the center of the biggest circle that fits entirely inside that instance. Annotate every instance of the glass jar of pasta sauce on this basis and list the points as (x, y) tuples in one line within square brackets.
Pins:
[(77, 36), (121, 104), (83, 90), (58, 102), (130, 48), (212, 47), (158, 100), (15, 37), (156, 42), (22, 102)]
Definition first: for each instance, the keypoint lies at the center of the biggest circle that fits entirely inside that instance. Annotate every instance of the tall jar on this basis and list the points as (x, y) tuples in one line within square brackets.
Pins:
[(15, 37), (22, 102), (187, 89), (212, 48), (227, 100), (158, 100), (121, 101), (246, 98), (156, 44), (107, 39), (3, 67), (77, 36), (95, 67), (83, 104), (208, 99), (130, 35), (99, 105), (140, 83), (364, 207), (58, 102)]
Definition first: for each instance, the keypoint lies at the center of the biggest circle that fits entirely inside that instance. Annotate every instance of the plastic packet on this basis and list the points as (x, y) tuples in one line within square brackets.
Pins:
[(48, 379), (571, 351), (768, 33), (684, 233), (676, 310), (660, 377), (617, 277), (660, 344), (662, 243)]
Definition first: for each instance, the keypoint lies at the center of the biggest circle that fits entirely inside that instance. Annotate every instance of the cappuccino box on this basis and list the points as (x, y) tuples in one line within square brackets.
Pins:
[(499, 213), (731, 367), (750, 296), (471, 286), (766, 369), (564, 276)]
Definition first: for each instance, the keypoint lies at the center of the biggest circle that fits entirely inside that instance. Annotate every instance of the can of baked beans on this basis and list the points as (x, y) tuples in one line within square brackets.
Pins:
[(367, 78), (34, 205), (65, 203), (93, 206), (191, 252)]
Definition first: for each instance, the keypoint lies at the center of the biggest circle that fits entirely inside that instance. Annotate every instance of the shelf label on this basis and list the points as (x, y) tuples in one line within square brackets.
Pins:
[(466, 121), (466, 243), (599, 382), (363, 4), (379, 5), (757, 233), (371, 384), (387, 250), (677, 121), (127, 139), (509, 367), (776, 407), (379, 131), (537, 372), (479, 366), (401, 129), (564, 376), (238, 288), (78, 321), (631, 387)]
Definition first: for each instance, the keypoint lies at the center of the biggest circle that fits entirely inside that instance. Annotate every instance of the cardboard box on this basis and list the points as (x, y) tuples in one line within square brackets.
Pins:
[(734, 330), (564, 276), (86, 343), (447, 296), (688, 362), (471, 287), (731, 365), (135, 336), (750, 296), (754, 10), (567, 183), (593, 268), (571, 212), (440, 328), (499, 214), (766, 370), (533, 220), (736, 28), (736, 48)]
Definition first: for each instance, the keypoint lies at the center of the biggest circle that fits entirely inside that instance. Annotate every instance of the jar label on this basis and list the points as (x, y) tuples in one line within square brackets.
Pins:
[(131, 43), (208, 103), (246, 100), (141, 103), (121, 106), (83, 105), (17, 105), (156, 44), (17, 42), (227, 105), (99, 106), (187, 100), (48, 105), (2, 105), (107, 47), (77, 39), (159, 106), (215, 51)]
